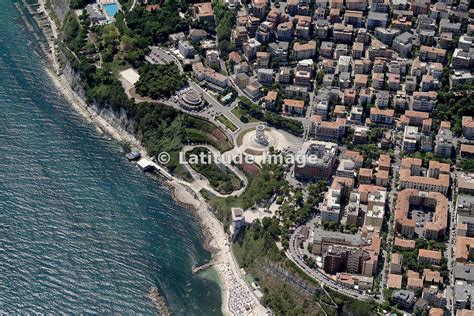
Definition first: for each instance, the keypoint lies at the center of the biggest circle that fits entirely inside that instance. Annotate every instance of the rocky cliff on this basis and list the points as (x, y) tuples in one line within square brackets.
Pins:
[(60, 8)]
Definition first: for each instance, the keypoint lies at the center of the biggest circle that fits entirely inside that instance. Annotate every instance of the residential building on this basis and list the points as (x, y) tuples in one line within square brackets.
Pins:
[(468, 127), (428, 53), (377, 19), (460, 77), (410, 177), (434, 201), (396, 263), (258, 8), (386, 35), (383, 117), (279, 52), (328, 130), (324, 165), (265, 76), (444, 143), (424, 101), (465, 183), (429, 257), (403, 44), (241, 80), (285, 31), (238, 221), (253, 90), (404, 299), (292, 106), (204, 12), (304, 51), (410, 138), (250, 48), (270, 100), (186, 49)]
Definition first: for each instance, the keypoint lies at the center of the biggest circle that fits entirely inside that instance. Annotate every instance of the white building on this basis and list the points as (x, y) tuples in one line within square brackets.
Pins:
[(410, 138)]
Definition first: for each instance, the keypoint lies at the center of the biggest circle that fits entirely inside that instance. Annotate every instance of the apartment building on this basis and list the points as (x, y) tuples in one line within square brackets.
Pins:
[(210, 75), (292, 106), (377, 19), (328, 130), (437, 202), (434, 54), (342, 33), (258, 8), (424, 101), (285, 31), (204, 12), (186, 49), (410, 177), (323, 166), (354, 18), (468, 127), (265, 76), (303, 26), (304, 51), (410, 138), (382, 117), (429, 257)]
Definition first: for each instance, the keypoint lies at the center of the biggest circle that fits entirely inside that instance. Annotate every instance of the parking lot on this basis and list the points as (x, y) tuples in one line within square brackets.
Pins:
[(159, 56), (422, 217)]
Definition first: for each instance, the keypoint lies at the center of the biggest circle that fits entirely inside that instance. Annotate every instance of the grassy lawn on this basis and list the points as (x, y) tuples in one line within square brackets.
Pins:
[(243, 115), (116, 66), (227, 123)]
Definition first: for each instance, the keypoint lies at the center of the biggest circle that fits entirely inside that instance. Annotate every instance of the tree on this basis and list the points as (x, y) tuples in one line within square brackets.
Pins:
[(159, 80)]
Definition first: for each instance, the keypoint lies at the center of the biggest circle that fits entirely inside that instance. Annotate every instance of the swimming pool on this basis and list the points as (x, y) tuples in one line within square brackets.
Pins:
[(111, 9)]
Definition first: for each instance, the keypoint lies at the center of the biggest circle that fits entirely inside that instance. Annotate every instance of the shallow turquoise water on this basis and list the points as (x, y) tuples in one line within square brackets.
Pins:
[(81, 230)]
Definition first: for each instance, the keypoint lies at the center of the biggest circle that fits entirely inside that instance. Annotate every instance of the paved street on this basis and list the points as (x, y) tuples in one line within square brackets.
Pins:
[(386, 252), (293, 253), (449, 254)]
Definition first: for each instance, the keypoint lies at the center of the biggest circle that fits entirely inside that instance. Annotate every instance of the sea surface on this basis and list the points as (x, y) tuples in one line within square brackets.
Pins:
[(81, 229)]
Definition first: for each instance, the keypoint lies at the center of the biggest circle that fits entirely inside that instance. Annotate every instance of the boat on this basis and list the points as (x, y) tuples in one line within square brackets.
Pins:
[(133, 155)]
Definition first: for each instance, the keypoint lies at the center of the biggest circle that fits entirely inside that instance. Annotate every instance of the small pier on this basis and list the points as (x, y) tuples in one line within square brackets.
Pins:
[(146, 164), (204, 266)]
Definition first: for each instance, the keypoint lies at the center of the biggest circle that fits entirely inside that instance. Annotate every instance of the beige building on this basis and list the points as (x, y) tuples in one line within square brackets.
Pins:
[(468, 127), (304, 51), (436, 181), (396, 263), (429, 257)]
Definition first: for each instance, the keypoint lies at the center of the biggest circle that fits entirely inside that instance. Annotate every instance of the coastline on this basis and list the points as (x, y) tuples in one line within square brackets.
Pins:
[(210, 224), (178, 190), (234, 289)]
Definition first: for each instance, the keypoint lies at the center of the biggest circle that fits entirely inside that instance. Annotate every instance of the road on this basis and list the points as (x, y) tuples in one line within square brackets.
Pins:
[(449, 254), (294, 255), (216, 108), (387, 251)]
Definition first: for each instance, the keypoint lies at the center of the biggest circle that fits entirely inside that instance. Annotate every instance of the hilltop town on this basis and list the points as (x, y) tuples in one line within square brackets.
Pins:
[(379, 91)]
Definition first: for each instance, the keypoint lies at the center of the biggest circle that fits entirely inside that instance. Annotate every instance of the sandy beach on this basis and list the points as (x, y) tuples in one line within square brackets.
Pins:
[(237, 296)]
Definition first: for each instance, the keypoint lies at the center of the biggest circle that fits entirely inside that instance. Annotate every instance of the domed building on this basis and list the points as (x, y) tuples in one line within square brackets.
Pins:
[(191, 100)]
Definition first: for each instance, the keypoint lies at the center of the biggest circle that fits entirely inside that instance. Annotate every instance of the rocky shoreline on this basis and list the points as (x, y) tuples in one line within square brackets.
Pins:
[(237, 297)]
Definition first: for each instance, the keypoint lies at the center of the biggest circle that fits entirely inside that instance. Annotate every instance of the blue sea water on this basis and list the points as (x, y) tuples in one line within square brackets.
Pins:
[(81, 229)]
